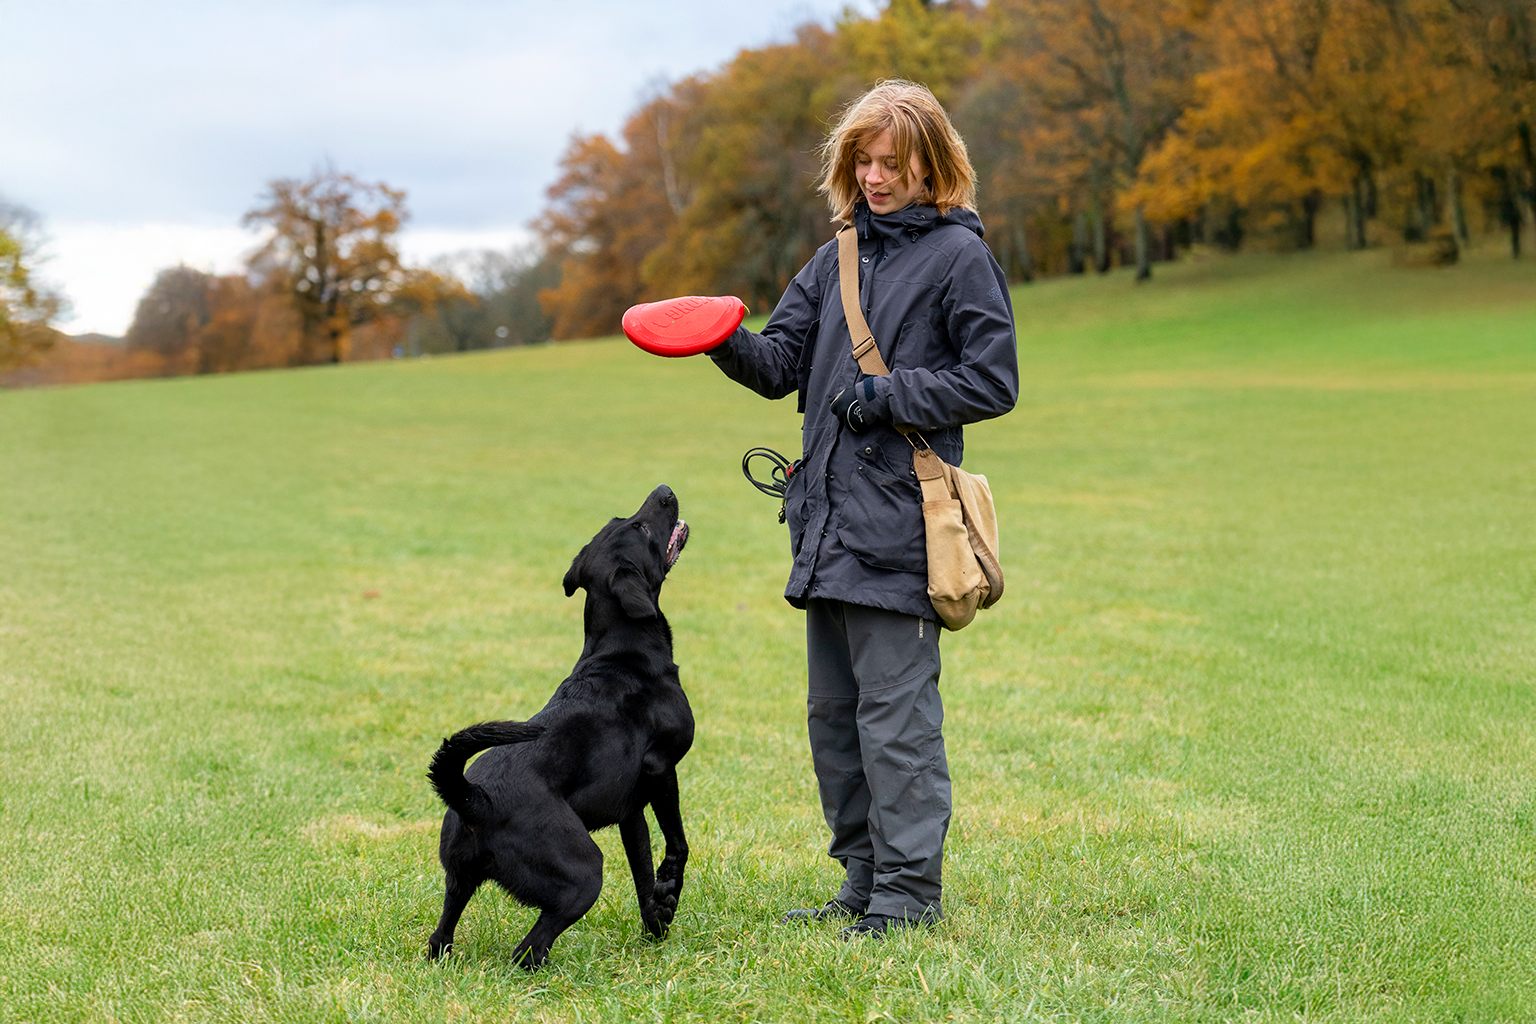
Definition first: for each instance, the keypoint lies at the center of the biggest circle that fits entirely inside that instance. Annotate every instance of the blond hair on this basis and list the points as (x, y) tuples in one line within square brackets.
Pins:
[(918, 124)]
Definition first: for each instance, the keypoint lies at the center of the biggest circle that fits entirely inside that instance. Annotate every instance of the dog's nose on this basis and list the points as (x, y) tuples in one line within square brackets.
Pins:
[(664, 495)]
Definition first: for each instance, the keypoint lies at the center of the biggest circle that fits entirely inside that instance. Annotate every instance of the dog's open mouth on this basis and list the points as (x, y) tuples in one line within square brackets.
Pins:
[(675, 542)]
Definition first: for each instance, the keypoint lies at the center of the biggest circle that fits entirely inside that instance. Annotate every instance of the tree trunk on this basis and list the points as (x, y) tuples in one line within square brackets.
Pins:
[(311, 330), (1143, 247), (1456, 210), (1509, 207), (1361, 214), (1096, 215), (1354, 220), (1077, 255), (1310, 203), (1362, 206), (1528, 148), (1426, 208), (1021, 250), (1100, 241)]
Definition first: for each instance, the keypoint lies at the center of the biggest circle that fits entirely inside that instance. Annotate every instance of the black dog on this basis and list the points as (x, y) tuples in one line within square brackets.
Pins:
[(605, 745)]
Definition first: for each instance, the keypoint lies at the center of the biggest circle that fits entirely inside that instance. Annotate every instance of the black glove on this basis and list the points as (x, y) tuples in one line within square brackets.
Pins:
[(849, 408)]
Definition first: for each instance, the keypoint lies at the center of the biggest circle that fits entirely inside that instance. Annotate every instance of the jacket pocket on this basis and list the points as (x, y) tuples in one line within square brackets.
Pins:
[(882, 521)]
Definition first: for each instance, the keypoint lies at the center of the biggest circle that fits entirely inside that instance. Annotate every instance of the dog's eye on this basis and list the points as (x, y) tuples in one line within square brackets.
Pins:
[(644, 528)]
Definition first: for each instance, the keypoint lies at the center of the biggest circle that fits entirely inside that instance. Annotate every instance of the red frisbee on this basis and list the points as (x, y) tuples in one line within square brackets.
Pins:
[(684, 326)]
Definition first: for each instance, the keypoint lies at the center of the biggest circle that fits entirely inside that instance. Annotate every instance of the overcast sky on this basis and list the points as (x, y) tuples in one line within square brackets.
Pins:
[(140, 130)]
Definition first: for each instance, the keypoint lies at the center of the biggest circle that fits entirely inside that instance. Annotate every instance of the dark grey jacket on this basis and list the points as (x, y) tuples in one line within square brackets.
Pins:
[(937, 304)]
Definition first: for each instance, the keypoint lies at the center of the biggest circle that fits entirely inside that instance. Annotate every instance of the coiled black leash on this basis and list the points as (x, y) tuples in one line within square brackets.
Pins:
[(778, 482)]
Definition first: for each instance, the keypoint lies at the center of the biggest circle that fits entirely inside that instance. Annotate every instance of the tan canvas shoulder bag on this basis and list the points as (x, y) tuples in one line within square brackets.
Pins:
[(964, 573)]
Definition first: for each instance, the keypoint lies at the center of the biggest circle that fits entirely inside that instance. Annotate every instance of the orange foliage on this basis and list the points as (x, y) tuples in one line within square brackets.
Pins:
[(326, 285), (915, 40), (750, 217), (608, 210), (200, 323), (1102, 131), (1370, 102), (71, 361), (331, 248), (713, 189)]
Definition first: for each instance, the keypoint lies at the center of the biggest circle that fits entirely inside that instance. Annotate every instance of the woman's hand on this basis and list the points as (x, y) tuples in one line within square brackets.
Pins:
[(850, 409)]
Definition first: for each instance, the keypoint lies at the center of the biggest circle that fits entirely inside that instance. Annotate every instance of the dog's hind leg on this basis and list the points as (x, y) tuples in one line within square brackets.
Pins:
[(564, 884), (669, 818), (637, 847), (455, 899)]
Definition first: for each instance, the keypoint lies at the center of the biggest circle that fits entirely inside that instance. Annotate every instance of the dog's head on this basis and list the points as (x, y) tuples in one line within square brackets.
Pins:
[(629, 558)]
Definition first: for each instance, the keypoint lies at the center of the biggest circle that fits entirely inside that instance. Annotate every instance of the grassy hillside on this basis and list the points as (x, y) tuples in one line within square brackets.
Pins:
[(1250, 738)]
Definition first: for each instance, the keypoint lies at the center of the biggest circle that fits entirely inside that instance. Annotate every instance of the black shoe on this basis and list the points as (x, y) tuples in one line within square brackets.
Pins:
[(875, 926), (832, 910)]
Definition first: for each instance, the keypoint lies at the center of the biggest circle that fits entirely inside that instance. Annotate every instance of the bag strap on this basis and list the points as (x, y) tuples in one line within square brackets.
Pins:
[(867, 352), (932, 475), (864, 348)]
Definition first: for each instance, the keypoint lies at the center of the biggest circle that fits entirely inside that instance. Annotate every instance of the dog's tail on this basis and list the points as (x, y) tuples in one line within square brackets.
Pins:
[(447, 770)]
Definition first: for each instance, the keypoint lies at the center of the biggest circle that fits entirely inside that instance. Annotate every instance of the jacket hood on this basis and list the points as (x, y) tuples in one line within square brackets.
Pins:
[(912, 220)]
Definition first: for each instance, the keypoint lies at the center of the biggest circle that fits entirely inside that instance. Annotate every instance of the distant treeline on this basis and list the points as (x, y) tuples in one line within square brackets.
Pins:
[(328, 285), (1105, 132)]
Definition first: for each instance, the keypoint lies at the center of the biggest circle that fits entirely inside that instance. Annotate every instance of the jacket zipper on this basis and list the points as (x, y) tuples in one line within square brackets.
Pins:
[(869, 292)]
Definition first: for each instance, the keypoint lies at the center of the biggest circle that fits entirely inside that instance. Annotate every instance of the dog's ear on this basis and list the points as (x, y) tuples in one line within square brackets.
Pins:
[(634, 593), (575, 576)]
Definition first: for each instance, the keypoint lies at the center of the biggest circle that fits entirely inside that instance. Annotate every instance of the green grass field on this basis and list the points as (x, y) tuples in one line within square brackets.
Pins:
[(1250, 738)]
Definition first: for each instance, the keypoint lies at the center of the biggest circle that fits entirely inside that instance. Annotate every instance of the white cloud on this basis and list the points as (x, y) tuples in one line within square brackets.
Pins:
[(104, 269), (421, 246)]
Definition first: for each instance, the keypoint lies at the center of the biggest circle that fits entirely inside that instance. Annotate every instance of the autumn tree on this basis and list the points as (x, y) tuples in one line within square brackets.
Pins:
[(27, 306), (172, 313), (1497, 41), (1111, 78), (331, 248), (326, 274), (434, 305), (995, 112), (607, 212), (933, 44), (198, 322), (1251, 136), (748, 141)]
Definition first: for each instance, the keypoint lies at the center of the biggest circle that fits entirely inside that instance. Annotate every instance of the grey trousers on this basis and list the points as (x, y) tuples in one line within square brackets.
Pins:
[(876, 740)]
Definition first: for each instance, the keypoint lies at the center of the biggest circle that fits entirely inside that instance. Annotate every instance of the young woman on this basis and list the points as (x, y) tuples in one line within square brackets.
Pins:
[(938, 306)]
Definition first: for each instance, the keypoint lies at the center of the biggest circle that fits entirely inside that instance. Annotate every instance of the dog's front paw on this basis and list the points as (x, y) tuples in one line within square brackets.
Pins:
[(669, 876), (437, 949), (661, 908), (667, 892), (655, 920)]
